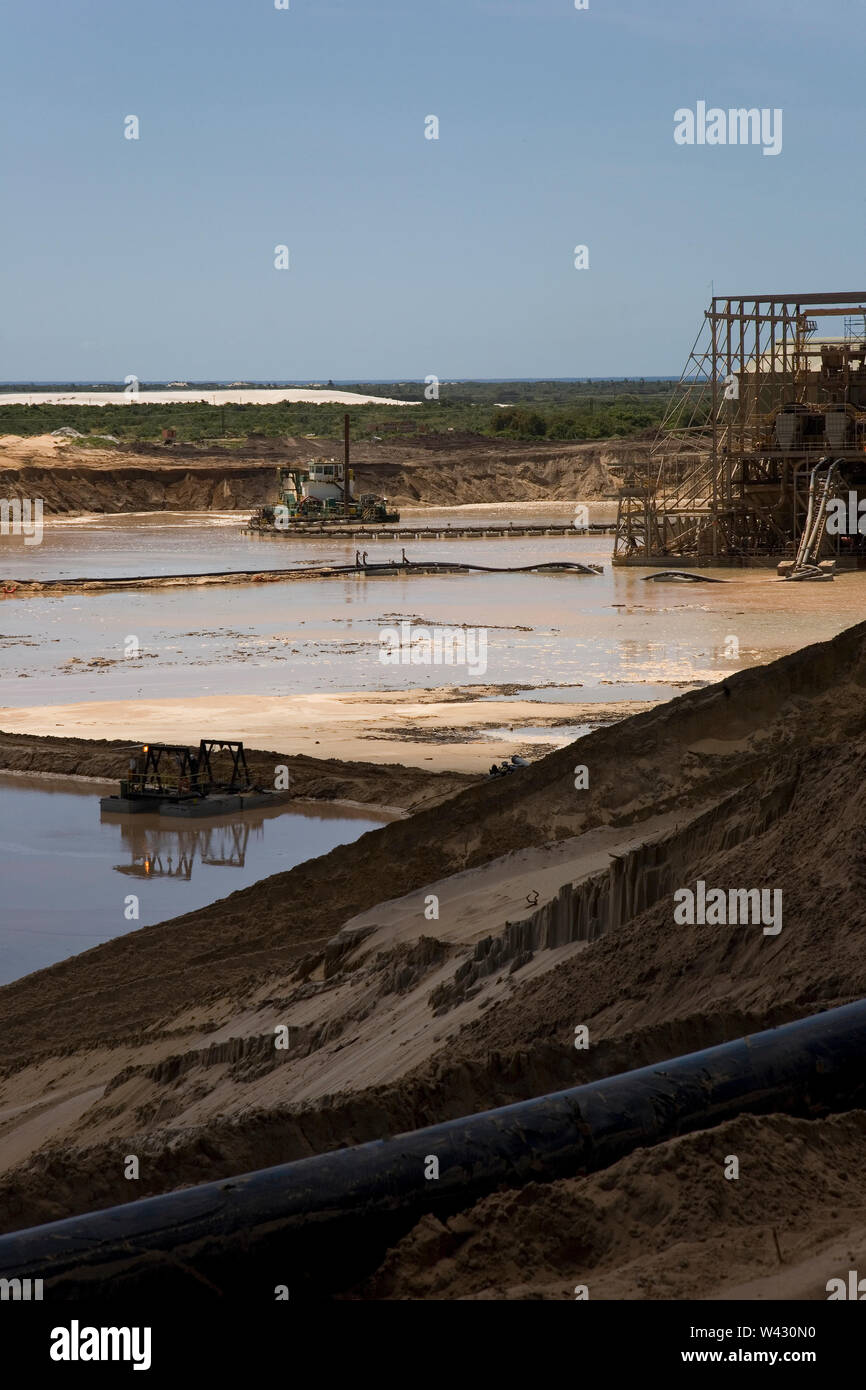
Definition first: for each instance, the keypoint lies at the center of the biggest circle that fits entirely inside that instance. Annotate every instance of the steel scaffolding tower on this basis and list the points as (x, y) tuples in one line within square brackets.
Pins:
[(761, 398)]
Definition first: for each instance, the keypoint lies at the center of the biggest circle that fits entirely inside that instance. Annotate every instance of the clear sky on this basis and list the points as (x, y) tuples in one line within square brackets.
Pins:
[(409, 256)]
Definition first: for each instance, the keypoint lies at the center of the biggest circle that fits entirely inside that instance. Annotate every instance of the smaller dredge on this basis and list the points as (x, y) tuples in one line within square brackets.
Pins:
[(170, 779), (319, 494)]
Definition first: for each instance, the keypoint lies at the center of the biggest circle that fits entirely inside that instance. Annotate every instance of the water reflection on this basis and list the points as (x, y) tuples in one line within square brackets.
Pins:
[(66, 868), (163, 852)]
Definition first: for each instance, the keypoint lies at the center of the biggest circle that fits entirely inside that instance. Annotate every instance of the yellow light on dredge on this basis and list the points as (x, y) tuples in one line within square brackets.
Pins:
[(144, 748)]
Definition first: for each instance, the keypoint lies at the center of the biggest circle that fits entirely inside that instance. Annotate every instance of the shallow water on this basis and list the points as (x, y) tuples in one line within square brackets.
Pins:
[(541, 733), (606, 638), (88, 547), (68, 874)]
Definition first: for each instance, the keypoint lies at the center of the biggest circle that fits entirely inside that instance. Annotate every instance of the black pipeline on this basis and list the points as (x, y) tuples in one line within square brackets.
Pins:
[(319, 1224)]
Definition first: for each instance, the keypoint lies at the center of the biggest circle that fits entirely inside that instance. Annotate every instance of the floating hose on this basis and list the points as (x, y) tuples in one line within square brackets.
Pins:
[(679, 575)]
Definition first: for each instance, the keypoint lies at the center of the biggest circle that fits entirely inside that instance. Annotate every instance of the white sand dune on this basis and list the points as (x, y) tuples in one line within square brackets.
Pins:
[(239, 397)]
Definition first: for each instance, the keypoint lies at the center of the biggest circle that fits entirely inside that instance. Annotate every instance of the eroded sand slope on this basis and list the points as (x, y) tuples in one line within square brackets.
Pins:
[(162, 1043), (440, 470)]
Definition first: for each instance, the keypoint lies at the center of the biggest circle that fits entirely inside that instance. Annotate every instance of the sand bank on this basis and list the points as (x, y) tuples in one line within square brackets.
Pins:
[(389, 788), (413, 728), (445, 470)]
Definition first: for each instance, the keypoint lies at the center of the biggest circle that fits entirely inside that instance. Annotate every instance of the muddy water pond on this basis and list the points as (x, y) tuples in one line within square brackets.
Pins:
[(69, 875), (614, 636)]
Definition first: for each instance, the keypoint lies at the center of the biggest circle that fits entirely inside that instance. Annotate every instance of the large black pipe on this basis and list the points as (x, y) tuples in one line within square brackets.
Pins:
[(318, 1224)]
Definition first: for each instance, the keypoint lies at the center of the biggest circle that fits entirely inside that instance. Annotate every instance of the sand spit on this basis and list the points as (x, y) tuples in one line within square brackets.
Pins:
[(554, 909), (424, 729), (389, 787)]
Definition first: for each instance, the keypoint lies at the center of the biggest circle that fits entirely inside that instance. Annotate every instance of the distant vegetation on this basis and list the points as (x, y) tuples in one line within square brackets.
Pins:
[(513, 410)]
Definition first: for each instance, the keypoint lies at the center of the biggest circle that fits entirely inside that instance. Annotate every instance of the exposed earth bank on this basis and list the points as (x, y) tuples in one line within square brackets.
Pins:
[(444, 470)]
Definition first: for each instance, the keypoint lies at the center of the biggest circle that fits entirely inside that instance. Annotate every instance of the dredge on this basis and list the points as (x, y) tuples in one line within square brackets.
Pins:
[(318, 499), (320, 494), (170, 779), (764, 436)]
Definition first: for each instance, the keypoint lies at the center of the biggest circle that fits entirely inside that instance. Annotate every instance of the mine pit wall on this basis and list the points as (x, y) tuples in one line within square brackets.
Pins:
[(134, 484), (635, 881), (142, 489)]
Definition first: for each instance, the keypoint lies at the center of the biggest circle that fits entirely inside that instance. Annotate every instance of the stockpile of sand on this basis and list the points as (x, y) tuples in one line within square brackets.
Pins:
[(194, 395), (663, 1223)]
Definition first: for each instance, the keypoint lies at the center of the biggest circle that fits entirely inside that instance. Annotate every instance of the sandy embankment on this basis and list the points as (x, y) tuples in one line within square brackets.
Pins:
[(161, 1043), (387, 787), (436, 470), (661, 1223), (409, 727)]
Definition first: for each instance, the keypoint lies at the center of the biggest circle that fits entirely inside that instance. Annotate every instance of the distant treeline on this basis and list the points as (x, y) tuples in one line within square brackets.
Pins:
[(514, 410)]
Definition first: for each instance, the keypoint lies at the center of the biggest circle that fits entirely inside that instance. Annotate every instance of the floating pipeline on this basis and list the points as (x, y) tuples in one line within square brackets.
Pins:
[(321, 1224), (681, 577), (29, 588), (379, 531)]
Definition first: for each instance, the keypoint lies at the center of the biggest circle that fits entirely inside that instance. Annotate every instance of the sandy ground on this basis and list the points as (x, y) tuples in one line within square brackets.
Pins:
[(624, 1233), (409, 727), (374, 948), (44, 448), (418, 979)]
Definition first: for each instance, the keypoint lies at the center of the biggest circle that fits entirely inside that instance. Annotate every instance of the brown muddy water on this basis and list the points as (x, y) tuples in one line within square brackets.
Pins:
[(69, 875), (613, 637), (88, 547)]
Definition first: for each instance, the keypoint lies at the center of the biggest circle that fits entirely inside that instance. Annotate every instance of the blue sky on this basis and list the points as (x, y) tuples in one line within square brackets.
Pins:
[(262, 127)]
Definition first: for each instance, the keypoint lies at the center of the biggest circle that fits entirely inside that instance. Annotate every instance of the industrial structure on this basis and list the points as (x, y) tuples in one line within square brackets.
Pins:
[(320, 493), (170, 779), (766, 428)]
